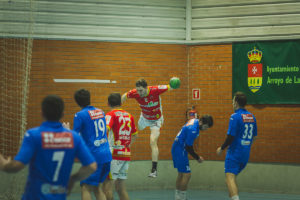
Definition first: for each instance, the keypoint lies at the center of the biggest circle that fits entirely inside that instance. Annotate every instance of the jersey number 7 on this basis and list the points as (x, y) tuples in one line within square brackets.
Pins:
[(58, 156)]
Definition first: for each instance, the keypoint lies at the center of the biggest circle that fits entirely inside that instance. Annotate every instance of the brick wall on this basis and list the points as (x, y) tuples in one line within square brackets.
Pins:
[(207, 67), (122, 62)]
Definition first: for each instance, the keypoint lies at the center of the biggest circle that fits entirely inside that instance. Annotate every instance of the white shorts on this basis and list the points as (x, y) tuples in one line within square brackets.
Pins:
[(119, 169), (153, 124)]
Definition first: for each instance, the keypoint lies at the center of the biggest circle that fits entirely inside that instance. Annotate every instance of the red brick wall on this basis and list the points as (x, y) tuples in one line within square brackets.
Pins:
[(207, 67), (122, 62)]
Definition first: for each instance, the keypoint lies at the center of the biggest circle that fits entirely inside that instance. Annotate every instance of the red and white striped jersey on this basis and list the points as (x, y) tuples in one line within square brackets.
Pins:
[(150, 104)]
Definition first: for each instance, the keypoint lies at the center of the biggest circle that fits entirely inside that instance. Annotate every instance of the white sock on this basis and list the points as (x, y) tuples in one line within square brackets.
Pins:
[(177, 195), (183, 195), (235, 197)]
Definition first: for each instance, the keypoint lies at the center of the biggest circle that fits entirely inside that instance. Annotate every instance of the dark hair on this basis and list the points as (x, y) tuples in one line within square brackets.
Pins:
[(114, 99), (82, 97), (141, 82), (207, 119), (241, 99), (52, 108)]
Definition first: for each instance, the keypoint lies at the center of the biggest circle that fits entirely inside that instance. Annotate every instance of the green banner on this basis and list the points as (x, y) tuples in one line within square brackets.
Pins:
[(267, 72)]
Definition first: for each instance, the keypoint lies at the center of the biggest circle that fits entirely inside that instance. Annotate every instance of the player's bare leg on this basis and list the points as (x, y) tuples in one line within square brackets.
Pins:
[(108, 189), (121, 189), (153, 143), (154, 150), (100, 195), (232, 186), (182, 182), (86, 192)]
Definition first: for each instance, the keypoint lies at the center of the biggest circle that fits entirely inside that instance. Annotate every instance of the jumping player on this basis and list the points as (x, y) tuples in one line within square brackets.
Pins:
[(151, 116), (50, 150), (183, 145), (122, 133), (240, 136)]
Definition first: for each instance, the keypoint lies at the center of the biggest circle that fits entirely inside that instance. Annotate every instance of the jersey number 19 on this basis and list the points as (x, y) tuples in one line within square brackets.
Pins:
[(99, 126)]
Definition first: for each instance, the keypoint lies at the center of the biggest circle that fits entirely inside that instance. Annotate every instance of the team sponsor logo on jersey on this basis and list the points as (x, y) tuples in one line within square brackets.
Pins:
[(62, 140), (97, 143), (150, 104), (121, 113), (162, 87), (124, 153), (245, 142), (124, 137), (53, 189), (96, 114), (247, 118)]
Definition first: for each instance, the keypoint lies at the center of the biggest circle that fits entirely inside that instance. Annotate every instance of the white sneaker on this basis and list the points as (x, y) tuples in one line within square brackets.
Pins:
[(153, 174)]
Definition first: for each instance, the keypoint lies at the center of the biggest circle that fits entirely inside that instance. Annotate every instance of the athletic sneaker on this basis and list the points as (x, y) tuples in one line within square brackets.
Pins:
[(153, 174)]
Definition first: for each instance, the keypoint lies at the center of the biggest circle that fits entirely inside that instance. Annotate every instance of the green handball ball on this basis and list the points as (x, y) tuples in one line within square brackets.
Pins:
[(175, 82)]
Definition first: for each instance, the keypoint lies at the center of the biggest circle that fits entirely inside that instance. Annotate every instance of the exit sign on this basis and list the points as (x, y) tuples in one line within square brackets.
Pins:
[(196, 94)]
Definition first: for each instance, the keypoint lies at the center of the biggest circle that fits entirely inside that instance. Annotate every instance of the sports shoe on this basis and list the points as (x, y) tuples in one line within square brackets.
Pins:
[(153, 174)]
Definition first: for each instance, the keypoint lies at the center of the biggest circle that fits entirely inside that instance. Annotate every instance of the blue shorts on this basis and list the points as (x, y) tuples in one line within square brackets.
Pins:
[(234, 166), (180, 158), (99, 175)]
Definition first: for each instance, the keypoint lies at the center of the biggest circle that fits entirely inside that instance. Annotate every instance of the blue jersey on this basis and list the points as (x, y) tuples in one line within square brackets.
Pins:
[(188, 133), (90, 123), (51, 150), (243, 127)]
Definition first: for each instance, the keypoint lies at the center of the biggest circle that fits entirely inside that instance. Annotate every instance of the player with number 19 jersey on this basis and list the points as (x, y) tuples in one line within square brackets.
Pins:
[(121, 127), (51, 150), (90, 123), (243, 127)]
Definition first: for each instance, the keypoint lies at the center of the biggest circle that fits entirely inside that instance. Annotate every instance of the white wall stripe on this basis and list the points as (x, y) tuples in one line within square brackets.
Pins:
[(82, 81)]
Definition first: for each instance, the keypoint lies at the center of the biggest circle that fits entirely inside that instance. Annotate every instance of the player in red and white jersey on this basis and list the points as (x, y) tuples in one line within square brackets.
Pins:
[(122, 133), (149, 100)]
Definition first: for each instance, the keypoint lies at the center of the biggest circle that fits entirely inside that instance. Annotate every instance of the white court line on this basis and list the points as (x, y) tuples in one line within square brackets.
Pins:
[(83, 81)]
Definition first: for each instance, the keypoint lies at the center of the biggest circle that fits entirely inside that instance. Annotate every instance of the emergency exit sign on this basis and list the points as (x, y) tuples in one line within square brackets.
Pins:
[(196, 94)]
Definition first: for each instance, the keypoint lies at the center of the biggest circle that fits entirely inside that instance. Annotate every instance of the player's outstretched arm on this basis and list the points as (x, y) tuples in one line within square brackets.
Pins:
[(124, 98), (83, 173), (10, 166)]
